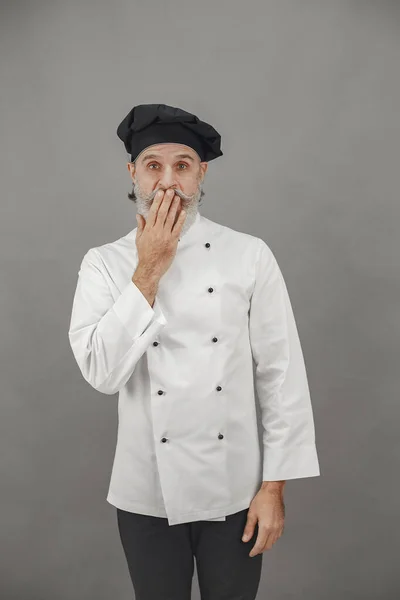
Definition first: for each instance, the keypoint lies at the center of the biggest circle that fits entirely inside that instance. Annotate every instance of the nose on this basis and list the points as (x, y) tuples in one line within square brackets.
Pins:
[(168, 179)]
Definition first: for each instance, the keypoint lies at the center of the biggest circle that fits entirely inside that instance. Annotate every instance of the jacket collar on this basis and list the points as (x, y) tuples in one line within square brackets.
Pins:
[(194, 233)]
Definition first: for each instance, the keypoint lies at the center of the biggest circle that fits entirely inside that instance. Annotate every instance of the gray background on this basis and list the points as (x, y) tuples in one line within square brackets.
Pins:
[(306, 97)]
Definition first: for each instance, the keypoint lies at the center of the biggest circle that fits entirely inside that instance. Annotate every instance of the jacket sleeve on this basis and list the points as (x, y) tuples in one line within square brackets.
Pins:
[(108, 337), (289, 450)]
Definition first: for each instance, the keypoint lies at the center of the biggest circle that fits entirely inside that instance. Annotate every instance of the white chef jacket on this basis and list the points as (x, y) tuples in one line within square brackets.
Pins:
[(187, 443)]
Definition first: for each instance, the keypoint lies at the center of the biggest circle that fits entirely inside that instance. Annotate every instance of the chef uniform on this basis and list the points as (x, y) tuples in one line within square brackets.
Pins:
[(187, 447)]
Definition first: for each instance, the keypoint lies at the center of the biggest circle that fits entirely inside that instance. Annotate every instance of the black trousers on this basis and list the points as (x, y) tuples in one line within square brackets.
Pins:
[(161, 557)]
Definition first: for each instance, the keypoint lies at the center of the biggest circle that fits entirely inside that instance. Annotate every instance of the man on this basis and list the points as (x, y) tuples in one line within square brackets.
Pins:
[(172, 316)]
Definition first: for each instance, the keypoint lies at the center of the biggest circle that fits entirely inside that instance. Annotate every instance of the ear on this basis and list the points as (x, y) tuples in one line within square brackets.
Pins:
[(131, 168), (204, 167)]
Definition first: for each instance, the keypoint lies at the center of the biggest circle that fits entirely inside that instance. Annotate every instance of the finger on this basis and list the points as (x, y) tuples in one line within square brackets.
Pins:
[(164, 207), (152, 216), (260, 543), (248, 533), (177, 228), (272, 538), (269, 542), (169, 221), (249, 528)]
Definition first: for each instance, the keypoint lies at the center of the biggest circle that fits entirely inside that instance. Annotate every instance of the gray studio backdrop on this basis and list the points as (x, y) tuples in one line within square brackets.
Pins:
[(306, 97)]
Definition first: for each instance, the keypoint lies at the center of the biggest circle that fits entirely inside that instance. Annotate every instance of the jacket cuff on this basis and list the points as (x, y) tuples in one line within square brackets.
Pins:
[(298, 462), (134, 311)]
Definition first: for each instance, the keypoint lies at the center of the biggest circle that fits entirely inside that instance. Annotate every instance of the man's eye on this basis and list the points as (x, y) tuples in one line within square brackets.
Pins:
[(155, 164)]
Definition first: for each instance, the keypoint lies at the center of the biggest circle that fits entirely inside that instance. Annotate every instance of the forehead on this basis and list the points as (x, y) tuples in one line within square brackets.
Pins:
[(167, 151)]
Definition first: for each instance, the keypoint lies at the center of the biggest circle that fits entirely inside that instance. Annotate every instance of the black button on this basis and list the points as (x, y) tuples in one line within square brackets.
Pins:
[(160, 392), (215, 339), (220, 436), (207, 245), (155, 343), (210, 290), (164, 439), (219, 388)]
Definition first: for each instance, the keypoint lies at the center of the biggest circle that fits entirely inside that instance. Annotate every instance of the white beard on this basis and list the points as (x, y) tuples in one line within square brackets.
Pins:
[(191, 206)]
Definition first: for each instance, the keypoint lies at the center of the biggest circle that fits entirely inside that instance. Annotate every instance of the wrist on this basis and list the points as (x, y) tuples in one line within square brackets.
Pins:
[(146, 274), (273, 486)]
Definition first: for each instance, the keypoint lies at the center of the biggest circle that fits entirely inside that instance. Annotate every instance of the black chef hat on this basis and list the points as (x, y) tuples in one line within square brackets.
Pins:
[(148, 124)]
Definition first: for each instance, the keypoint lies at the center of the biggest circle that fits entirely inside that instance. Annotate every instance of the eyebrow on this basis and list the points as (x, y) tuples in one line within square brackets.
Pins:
[(148, 156)]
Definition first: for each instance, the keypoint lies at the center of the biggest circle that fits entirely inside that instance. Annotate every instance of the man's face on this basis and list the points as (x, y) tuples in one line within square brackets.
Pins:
[(164, 166)]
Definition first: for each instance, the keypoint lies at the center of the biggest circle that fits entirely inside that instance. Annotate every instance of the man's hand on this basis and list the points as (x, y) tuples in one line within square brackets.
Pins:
[(268, 509), (157, 238)]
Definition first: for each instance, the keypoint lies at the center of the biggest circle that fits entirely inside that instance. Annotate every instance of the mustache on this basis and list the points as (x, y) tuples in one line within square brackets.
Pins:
[(177, 192)]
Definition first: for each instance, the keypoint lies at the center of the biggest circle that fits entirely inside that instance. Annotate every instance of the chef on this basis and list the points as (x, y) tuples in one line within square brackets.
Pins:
[(172, 317)]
